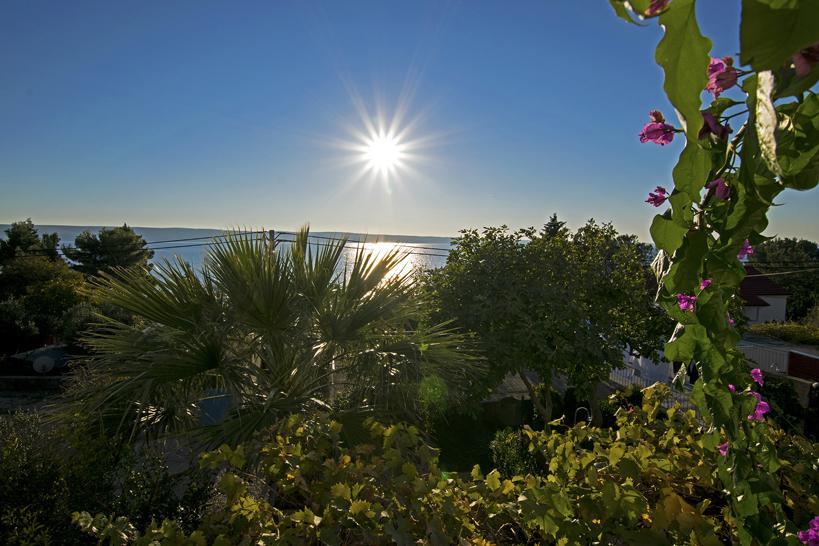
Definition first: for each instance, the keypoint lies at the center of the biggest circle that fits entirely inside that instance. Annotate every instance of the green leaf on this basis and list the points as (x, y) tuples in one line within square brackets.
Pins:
[(683, 53), (667, 234), (771, 32), (622, 11), (493, 480), (692, 169), (686, 271)]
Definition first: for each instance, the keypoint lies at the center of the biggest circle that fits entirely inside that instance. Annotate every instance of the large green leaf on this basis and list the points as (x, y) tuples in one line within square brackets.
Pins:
[(683, 53), (771, 32), (667, 234), (692, 168)]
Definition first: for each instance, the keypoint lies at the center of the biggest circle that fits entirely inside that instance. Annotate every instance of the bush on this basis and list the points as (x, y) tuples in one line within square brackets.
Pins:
[(511, 455), (49, 472), (652, 481), (794, 332)]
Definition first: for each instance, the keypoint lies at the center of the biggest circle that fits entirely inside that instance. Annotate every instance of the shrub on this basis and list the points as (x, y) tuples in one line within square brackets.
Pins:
[(49, 472), (511, 455), (794, 332), (652, 481)]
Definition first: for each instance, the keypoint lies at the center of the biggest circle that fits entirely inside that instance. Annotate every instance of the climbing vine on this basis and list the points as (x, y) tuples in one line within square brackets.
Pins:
[(739, 154)]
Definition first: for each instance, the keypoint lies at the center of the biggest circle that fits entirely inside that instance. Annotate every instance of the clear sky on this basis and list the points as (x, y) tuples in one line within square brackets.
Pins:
[(218, 114)]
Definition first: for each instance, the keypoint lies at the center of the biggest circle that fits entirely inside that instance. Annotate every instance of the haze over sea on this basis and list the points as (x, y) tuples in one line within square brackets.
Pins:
[(424, 252)]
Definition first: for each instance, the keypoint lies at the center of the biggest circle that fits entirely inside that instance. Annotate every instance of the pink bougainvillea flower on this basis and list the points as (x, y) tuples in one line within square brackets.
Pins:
[(731, 321), (721, 75), (656, 6), (720, 187), (731, 387), (705, 284), (711, 126), (686, 302), (658, 196), (657, 131), (723, 448), (761, 408), (810, 536), (756, 374), (806, 59), (746, 250)]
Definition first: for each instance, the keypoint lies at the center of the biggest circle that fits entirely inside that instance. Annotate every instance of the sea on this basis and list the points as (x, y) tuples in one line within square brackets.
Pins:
[(192, 244)]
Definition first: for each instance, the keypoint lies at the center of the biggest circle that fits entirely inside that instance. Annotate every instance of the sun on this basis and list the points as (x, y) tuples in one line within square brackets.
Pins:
[(383, 153)]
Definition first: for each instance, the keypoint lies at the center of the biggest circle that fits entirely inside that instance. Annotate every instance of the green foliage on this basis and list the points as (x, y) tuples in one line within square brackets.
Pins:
[(701, 236), (37, 288), (511, 455), (36, 293), (773, 30), (655, 480), (806, 334), (791, 254), (263, 332), (111, 248), (22, 239), (549, 301), (47, 473)]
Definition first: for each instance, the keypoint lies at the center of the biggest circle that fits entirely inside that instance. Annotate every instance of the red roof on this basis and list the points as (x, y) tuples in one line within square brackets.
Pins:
[(756, 284)]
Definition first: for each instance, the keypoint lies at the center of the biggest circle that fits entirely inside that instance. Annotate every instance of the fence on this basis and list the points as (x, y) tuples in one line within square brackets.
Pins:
[(625, 377)]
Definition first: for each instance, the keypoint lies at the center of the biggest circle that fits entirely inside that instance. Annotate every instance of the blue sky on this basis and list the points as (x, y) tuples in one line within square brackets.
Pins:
[(218, 114)]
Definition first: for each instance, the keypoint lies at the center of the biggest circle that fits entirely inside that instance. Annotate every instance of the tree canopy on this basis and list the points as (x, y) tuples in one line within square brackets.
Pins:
[(778, 255), (550, 301), (22, 239), (108, 249)]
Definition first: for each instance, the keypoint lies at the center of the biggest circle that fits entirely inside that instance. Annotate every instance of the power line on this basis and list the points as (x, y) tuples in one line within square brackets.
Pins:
[(782, 272)]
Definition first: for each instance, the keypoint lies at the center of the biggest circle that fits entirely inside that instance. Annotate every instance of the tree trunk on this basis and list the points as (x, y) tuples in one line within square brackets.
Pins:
[(545, 410), (594, 401)]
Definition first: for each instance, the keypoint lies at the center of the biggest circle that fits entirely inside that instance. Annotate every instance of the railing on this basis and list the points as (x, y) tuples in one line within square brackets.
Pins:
[(768, 358), (625, 377)]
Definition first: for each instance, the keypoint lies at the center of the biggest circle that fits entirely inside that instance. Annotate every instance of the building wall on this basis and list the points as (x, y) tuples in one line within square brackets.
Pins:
[(775, 310)]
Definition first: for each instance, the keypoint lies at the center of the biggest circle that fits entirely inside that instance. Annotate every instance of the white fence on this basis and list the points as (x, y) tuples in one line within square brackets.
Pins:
[(625, 377)]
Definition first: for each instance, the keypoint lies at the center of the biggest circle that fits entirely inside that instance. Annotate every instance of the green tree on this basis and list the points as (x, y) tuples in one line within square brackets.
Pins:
[(23, 239), (266, 332), (550, 302), (36, 293), (37, 288), (110, 248), (790, 254)]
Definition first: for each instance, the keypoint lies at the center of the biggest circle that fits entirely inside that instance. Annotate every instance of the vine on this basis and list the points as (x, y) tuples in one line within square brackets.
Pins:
[(725, 181)]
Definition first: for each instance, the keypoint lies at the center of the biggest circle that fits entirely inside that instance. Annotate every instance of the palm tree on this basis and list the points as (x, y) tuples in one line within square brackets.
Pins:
[(269, 331)]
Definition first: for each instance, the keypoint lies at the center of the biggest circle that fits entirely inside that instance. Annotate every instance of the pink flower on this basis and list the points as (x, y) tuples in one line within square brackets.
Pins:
[(756, 374), (721, 75), (658, 131), (806, 59), (761, 408), (712, 127), (745, 251), (705, 284), (731, 321), (732, 388), (658, 196), (723, 448), (656, 6), (686, 302), (810, 536), (720, 187)]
